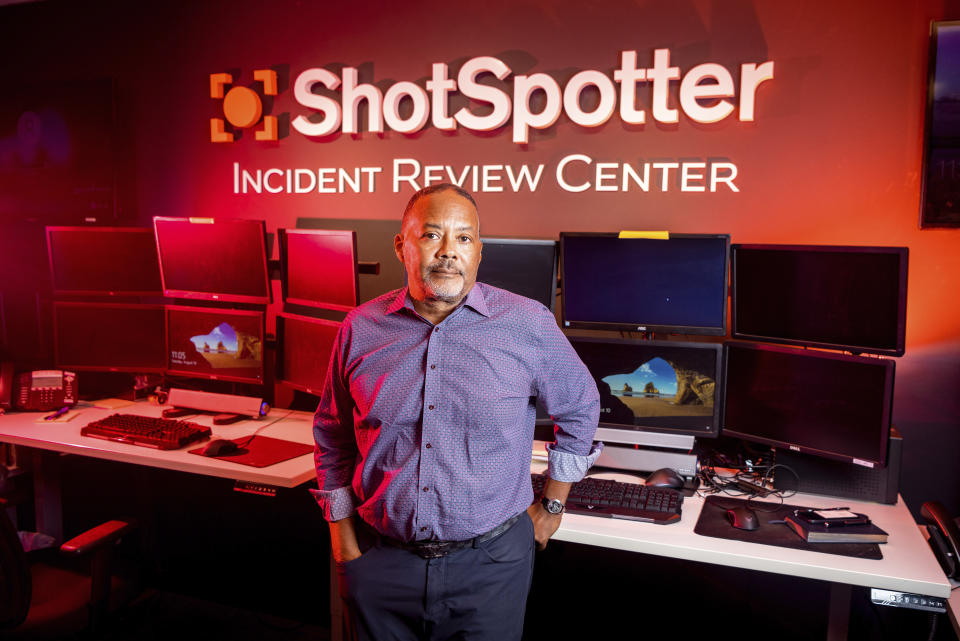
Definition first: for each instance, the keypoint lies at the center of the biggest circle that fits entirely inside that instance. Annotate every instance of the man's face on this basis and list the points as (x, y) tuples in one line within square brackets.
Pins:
[(439, 245)]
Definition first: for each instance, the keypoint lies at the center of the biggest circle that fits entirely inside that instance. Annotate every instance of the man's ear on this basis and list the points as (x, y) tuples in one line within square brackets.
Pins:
[(398, 246)]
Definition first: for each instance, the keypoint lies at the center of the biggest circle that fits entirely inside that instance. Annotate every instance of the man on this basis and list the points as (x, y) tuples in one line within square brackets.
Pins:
[(424, 430)]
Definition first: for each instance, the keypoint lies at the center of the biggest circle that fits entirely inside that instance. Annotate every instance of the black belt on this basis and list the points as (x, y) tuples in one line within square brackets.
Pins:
[(437, 549)]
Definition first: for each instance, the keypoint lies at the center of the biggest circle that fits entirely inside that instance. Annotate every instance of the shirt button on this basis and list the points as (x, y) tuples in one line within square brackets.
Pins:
[(423, 529), (426, 489), (433, 367), (429, 446), (436, 329), (430, 407)]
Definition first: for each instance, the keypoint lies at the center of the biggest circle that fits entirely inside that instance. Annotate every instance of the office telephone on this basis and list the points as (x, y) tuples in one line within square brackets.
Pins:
[(37, 391), (944, 537)]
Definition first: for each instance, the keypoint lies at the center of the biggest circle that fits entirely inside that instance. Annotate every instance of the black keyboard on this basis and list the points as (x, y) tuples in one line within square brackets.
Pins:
[(159, 433), (613, 499)]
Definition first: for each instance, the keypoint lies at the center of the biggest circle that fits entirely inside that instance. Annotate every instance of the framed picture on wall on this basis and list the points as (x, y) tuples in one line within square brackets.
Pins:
[(940, 190)]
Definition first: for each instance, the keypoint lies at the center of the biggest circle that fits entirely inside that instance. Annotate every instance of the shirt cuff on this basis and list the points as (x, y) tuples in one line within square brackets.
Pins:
[(336, 504), (570, 468)]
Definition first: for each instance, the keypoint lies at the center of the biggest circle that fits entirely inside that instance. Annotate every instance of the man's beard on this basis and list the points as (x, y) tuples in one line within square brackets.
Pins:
[(445, 290)]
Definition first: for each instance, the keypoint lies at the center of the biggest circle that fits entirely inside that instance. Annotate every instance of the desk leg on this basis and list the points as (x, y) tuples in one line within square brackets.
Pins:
[(838, 616), (46, 493)]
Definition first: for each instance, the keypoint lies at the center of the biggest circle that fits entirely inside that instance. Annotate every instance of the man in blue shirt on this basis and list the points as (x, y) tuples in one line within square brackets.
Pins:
[(424, 433)]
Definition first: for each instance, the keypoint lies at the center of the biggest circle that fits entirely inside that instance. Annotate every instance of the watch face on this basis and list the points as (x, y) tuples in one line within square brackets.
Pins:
[(553, 506)]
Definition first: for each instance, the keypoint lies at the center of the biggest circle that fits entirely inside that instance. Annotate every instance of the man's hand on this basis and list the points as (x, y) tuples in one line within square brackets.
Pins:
[(343, 540), (544, 524)]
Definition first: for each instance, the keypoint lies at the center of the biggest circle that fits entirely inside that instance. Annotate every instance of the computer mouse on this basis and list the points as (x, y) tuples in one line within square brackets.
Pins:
[(665, 477), (220, 447), (743, 518)]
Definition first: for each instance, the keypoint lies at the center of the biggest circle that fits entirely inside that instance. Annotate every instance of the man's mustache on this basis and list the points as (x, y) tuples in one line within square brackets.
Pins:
[(447, 266)]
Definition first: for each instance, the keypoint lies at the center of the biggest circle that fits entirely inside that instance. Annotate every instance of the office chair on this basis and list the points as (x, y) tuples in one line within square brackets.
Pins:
[(40, 600)]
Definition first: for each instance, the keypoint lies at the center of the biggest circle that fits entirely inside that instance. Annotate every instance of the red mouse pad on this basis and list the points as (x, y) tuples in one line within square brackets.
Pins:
[(261, 451), (713, 522)]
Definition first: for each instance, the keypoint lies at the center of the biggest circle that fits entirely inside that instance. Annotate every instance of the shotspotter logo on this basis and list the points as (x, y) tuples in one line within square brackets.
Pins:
[(243, 107), (494, 97)]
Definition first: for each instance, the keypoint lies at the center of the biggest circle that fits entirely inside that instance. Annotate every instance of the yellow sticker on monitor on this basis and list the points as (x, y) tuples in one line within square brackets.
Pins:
[(656, 235)]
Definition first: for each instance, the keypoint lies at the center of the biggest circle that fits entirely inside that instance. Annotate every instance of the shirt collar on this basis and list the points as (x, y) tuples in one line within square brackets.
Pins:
[(475, 300)]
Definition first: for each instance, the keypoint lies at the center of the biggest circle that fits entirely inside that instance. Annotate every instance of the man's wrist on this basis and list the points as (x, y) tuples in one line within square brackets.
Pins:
[(552, 506)]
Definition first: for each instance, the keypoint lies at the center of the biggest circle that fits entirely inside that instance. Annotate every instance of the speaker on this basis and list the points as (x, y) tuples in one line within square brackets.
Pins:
[(223, 403), (838, 478)]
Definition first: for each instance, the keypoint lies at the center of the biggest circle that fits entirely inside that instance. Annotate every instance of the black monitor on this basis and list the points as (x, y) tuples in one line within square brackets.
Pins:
[(523, 266), (319, 268), (222, 344), (109, 337), (303, 351), (213, 259), (655, 386), (849, 298), (677, 285), (103, 261), (814, 402)]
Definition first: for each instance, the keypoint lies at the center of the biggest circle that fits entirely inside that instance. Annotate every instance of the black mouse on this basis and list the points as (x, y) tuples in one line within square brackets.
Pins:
[(665, 477), (743, 518), (220, 447)]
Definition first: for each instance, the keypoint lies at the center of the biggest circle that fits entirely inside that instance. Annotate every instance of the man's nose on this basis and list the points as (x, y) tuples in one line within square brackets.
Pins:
[(448, 248)]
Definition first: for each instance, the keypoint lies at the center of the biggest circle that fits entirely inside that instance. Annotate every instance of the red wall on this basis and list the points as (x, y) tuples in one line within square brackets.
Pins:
[(834, 155)]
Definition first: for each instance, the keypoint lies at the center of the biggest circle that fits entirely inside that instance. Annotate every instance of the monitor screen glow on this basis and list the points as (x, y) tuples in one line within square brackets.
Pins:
[(207, 259), (677, 285), (222, 344), (660, 386), (814, 402)]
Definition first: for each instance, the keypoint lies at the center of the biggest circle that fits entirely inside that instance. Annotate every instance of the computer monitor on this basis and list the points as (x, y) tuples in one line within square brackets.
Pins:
[(303, 351), (654, 386), (848, 298), (213, 259), (319, 268), (677, 285), (822, 403), (523, 266), (109, 337), (222, 344), (103, 261)]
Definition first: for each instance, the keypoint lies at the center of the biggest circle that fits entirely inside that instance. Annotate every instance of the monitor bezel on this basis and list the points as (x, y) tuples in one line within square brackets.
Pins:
[(904, 254), (501, 240), (719, 371), (643, 327), (217, 310), (884, 431), (215, 296), (284, 268), (98, 292), (930, 82), (282, 318), (93, 368)]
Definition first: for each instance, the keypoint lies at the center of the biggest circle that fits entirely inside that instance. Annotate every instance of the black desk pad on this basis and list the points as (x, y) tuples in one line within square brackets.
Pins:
[(713, 522)]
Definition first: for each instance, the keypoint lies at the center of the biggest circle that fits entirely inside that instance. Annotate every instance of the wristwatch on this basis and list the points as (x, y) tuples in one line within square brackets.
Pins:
[(553, 506)]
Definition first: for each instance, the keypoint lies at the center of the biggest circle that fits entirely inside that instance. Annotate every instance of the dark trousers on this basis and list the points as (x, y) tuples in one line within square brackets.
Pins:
[(470, 594)]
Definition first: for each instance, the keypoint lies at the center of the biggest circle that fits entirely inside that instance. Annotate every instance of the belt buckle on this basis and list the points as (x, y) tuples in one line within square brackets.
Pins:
[(432, 550)]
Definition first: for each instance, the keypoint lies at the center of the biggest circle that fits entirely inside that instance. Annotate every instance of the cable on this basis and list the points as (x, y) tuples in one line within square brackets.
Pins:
[(263, 427)]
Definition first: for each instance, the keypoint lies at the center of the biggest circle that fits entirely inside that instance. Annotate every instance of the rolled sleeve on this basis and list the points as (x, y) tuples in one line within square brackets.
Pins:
[(336, 504), (570, 468)]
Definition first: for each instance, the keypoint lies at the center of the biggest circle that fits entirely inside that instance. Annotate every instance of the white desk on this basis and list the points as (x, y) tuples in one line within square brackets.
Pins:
[(50, 439)]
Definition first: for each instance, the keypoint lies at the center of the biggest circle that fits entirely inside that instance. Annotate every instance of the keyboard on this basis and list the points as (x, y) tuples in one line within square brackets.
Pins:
[(614, 499), (159, 433)]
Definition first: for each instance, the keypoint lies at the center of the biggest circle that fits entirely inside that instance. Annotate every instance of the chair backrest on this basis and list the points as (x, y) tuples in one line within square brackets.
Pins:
[(15, 585)]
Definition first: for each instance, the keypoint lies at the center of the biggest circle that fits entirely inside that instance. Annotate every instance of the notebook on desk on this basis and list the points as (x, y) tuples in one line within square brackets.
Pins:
[(262, 451)]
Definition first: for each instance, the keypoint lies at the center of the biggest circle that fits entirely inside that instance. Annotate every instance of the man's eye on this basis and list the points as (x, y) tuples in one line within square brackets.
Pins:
[(465, 239)]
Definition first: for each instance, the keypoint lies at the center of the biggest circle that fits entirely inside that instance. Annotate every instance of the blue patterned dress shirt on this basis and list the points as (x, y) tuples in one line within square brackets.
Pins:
[(426, 430)]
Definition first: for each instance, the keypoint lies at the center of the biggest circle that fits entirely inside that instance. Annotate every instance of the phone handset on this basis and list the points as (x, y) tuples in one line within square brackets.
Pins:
[(944, 537)]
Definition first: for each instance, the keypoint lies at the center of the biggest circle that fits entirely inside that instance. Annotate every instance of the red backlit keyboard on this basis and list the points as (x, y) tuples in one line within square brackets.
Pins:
[(159, 433)]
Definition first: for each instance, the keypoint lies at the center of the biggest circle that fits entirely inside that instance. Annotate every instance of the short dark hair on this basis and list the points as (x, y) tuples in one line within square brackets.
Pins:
[(432, 189)]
